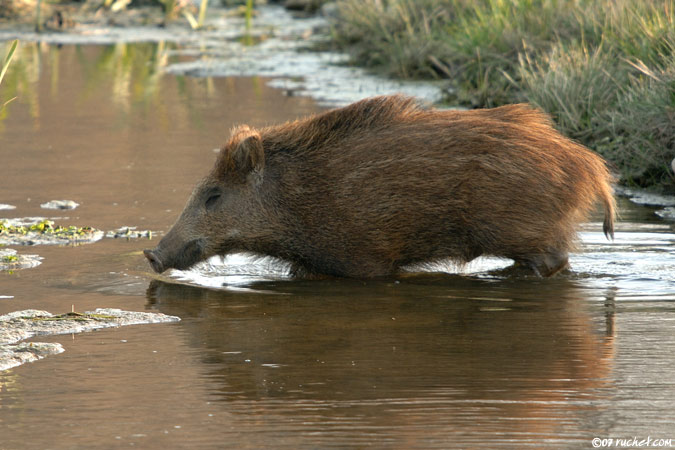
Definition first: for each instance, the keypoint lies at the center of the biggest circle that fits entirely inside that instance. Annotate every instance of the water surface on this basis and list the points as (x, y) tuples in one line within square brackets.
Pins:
[(437, 361)]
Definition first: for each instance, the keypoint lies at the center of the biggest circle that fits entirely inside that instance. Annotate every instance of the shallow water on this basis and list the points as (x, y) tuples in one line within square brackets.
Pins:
[(438, 361)]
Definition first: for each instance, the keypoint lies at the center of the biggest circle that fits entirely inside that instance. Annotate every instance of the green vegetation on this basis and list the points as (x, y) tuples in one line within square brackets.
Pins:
[(248, 13), (46, 227), (605, 70), (9, 259)]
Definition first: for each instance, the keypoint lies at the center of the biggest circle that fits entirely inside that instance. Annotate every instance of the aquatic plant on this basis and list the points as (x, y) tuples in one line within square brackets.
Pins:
[(5, 66), (9, 259), (248, 13), (8, 58)]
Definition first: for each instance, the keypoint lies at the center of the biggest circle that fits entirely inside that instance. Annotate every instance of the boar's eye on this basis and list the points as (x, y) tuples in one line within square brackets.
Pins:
[(212, 199)]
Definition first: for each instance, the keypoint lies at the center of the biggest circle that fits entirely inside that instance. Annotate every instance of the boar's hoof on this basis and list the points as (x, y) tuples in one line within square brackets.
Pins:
[(546, 264), (155, 262)]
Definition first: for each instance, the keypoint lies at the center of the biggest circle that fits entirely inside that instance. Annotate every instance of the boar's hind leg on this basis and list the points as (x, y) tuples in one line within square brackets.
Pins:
[(546, 264)]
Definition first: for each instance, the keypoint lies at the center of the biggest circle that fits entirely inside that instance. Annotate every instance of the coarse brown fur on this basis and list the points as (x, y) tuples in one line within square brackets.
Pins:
[(383, 183)]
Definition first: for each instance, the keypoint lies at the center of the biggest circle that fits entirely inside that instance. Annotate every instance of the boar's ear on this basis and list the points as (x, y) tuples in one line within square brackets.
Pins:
[(244, 153)]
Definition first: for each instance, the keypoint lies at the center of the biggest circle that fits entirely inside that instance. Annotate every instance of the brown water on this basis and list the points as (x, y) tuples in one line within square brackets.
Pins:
[(438, 361)]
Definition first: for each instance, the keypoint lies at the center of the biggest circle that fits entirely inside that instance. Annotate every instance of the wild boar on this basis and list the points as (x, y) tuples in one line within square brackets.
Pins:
[(364, 190)]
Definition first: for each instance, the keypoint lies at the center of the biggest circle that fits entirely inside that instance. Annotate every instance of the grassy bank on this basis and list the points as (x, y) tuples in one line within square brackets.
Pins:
[(604, 69)]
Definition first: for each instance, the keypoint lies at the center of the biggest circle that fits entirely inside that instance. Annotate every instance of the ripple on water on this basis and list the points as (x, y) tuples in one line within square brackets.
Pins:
[(639, 263), (234, 271)]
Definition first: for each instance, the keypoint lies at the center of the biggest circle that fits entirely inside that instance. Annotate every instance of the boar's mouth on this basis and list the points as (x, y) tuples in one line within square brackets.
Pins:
[(182, 258)]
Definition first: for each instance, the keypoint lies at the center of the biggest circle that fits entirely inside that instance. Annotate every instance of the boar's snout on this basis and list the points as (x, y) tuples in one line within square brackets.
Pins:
[(182, 257), (155, 262)]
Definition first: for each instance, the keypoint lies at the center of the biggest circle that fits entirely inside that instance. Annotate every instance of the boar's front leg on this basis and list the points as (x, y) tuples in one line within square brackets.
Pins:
[(545, 264)]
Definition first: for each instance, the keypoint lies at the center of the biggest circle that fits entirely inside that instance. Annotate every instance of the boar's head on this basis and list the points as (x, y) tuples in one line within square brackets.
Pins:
[(222, 211)]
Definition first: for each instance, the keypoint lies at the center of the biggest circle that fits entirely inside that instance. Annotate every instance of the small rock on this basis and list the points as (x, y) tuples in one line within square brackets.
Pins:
[(60, 204), (667, 213), (20, 325), (643, 197), (129, 233)]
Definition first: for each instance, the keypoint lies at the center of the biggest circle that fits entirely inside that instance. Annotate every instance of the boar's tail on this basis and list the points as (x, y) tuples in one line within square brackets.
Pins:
[(610, 210)]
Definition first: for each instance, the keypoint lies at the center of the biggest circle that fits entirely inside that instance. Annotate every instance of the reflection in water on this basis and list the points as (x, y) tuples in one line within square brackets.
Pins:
[(133, 72), (420, 359), (134, 140)]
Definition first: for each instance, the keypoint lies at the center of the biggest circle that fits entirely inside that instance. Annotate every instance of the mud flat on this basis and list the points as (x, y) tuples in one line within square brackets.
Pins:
[(21, 325)]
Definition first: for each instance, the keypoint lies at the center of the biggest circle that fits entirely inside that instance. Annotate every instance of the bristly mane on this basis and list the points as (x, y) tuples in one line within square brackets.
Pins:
[(326, 128)]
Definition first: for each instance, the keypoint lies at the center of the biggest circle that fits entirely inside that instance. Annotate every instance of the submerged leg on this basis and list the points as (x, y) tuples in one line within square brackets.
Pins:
[(546, 264)]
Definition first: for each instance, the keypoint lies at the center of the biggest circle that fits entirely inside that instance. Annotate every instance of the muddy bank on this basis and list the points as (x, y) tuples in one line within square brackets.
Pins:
[(21, 325)]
